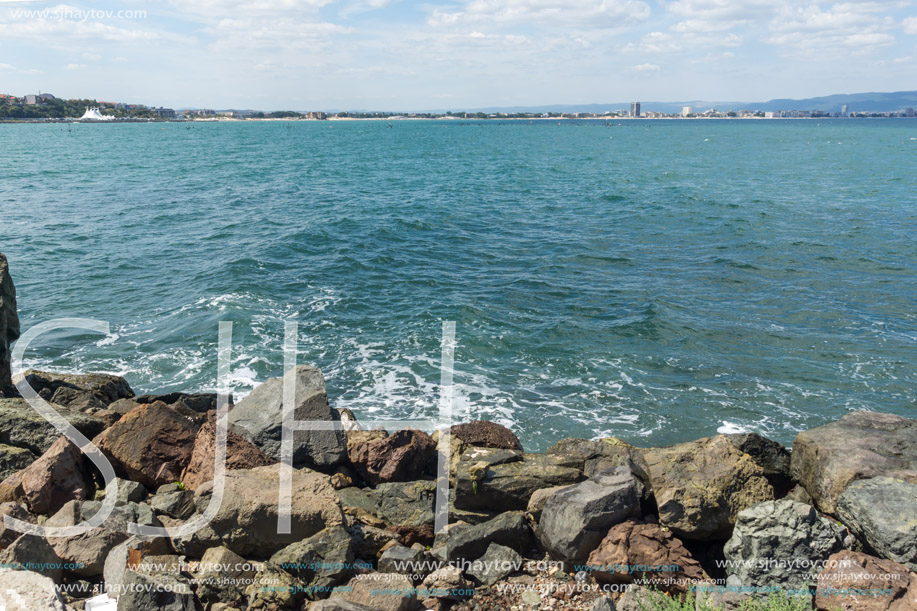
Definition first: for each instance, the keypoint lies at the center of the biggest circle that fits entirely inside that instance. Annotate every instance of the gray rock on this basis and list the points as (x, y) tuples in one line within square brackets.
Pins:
[(406, 503), (321, 561), (259, 418), (402, 560), (640, 598), (200, 402), (861, 445), (882, 512), (90, 549), (603, 604), (31, 551), (498, 562), (780, 542), (130, 492), (9, 325), (13, 460), (369, 540), (160, 592), (23, 427), (90, 389), (575, 520), (195, 544), (505, 479), (470, 542), (174, 501), (28, 591)]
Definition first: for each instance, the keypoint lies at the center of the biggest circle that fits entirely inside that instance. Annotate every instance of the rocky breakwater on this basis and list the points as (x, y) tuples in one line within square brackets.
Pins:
[(588, 524)]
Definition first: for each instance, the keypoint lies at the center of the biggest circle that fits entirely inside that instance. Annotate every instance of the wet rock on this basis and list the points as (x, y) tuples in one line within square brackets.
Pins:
[(882, 512), (321, 561), (259, 419), (151, 445), (380, 591), (79, 389), (9, 325), (780, 542), (860, 445), (13, 460), (29, 591), (701, 486), (247, 518), (240, 454), (848, 572), (348, 420), (469, 542), (486, 434), (496, 563), (575, 520), (487, 479), (22, 427), (633, 544), (400, 457), (57, 477)]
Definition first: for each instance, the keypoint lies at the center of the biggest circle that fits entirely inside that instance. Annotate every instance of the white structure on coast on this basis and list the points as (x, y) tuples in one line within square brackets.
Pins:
[(93, 114)]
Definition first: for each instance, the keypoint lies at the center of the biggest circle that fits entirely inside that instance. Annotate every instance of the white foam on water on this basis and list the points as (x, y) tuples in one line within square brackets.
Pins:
[(728, 428)]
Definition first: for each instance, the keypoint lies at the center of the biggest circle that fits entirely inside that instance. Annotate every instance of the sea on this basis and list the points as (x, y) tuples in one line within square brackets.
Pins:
[(656, 281)]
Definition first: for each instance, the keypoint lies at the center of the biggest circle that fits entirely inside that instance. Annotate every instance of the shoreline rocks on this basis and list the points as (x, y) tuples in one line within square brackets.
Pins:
[(9, 326)]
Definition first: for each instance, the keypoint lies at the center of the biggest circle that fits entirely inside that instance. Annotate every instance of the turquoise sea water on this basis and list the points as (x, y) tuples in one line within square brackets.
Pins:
[(657, 280)]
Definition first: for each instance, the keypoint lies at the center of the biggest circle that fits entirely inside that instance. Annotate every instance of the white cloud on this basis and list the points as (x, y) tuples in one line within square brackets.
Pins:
[(74, 66), (910, 25), (646, 68), (7, 67), (584, 13)]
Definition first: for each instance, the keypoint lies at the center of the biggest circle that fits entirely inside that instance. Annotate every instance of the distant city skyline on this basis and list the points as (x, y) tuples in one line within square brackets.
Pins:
[(390, 54)]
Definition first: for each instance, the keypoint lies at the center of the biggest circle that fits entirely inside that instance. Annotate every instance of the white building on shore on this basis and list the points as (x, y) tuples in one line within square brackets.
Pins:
[(94, 114)]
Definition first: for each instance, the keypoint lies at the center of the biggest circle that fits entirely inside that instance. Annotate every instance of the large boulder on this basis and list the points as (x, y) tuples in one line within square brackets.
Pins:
[(780, 542), (860, 445), (9, 325), (222, 576), (701, 486), (58, 476), (497, 562), (197, 402), (155, 592), (240, 454), (771, 456), (274, 589), (850, 580), (504, 479), (486, 434), (400, 457), (87, 551), (152, 444), (28, 591), (882, 512), (247, 519), (82, 392), (259, 418), (408, 504), (470, 542), (575, 520), (321, 561), (634, 551), (33, 552), (23, 427)]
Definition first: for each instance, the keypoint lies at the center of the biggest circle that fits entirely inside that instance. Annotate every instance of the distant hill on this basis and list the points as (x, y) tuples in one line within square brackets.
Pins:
[(857, 102)]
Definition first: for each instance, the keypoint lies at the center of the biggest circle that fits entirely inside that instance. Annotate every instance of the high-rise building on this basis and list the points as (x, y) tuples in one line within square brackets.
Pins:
[(635, 110), (845, 110), (687, 111)]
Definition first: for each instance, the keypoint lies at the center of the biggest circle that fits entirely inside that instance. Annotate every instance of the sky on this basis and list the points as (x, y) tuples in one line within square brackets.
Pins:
[(452, 54)]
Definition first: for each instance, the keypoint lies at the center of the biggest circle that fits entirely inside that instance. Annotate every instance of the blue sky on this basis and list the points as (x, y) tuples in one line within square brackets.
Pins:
[(439, 54)]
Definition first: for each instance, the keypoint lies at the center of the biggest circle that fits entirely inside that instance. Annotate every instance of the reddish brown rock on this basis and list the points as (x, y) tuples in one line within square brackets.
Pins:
[(240, 454), (486, 434), (14, 510), (58, 476), (400, 457), (151, 445), (851, 581), (632, 550)]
